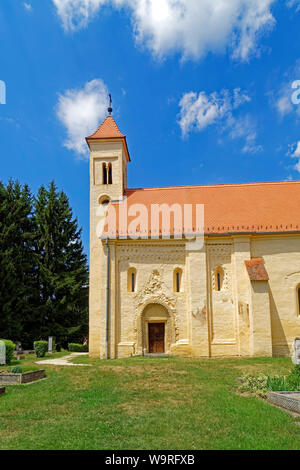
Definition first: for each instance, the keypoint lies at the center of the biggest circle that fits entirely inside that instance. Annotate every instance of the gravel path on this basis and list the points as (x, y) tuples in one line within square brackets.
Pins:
[(64, 361)]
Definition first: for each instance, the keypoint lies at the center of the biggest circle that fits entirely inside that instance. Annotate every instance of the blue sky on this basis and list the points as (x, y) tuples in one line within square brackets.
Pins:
[(201, 89)]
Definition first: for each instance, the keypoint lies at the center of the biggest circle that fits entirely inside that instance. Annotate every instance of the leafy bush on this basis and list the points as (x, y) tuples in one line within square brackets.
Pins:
[(262, 384), (40, 347), (277, 384), (17, 370), (74, 347), (10, 347), (255, 385), (293, 380)]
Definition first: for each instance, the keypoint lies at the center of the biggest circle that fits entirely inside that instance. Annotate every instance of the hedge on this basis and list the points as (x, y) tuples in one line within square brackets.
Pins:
[(40, 347), (10, 347), (74, 347)]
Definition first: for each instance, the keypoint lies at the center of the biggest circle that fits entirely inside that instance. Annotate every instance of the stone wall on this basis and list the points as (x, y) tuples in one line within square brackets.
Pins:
[(281, 257), (26, 377), (32, 376)]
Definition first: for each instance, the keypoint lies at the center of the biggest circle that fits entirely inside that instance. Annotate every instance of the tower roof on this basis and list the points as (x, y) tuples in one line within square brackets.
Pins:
[(109, 130)]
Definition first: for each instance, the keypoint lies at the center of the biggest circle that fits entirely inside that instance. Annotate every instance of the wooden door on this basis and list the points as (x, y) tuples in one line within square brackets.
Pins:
[(156, 338)]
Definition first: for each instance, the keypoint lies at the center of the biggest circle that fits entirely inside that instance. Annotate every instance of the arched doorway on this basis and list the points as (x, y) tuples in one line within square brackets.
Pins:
[(156, 329)]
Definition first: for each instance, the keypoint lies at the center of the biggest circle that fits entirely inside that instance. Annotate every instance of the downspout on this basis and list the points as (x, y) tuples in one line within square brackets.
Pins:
[(107, 298)]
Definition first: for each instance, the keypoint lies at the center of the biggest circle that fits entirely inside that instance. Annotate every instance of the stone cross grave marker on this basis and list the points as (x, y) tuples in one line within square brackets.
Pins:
[(2, 353)]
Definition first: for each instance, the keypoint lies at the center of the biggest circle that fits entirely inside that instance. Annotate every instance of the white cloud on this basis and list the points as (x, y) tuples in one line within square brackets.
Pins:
[(294, 3), (198, 111), (76, 14), (283, 103), (27, 6), (296, 152), (81, 111), (245, 128), (191, 27)]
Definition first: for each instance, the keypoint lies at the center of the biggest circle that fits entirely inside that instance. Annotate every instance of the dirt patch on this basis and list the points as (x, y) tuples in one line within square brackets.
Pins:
[(141, 407), (80, 382), (135, 370), (134, 408)]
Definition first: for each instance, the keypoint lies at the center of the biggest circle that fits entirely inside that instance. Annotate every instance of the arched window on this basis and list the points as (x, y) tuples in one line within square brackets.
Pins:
[(104, 200), (177, 280), (131, 281), (219, 276), (104, 171), (109, 172)]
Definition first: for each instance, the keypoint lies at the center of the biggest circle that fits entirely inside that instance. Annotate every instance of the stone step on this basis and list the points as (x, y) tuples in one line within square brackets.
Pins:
[(156, 355)]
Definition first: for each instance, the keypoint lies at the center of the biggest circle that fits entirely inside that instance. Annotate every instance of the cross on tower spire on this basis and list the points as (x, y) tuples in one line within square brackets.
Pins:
[(109, 109)]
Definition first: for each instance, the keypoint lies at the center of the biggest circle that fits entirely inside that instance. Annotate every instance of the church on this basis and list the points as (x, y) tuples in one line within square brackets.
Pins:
[(224, 284)]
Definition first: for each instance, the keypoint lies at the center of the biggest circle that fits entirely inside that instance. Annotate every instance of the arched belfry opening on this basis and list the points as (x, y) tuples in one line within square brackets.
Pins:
[(107, 177), (104, 173), (109, 174)]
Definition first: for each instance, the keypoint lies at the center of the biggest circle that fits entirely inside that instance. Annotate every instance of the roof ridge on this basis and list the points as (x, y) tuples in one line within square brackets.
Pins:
[(221, 185)]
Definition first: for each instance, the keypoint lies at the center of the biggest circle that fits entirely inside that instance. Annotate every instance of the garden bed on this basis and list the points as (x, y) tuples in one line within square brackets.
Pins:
[(24, 378)]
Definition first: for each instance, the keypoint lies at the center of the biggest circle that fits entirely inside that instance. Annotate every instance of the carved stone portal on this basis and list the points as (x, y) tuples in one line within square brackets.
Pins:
[(154, 304)]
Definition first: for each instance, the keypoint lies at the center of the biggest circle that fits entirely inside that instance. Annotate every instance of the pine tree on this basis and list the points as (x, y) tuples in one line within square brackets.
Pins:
[(62, 267), (19, 293)]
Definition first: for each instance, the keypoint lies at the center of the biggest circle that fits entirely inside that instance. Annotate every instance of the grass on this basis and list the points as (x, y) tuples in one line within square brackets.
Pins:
[(145, 403)]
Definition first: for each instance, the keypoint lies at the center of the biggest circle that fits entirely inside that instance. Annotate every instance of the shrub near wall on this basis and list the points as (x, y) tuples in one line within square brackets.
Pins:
[(74, 347), (40, 347), (10, 347)]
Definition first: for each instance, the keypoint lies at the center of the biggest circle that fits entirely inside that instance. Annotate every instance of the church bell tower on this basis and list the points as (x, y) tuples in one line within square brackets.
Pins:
[(108, 181)]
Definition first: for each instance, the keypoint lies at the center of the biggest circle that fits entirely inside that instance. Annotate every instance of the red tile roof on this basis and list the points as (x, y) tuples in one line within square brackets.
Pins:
[(233, 208), (256, 270), (109, 130)]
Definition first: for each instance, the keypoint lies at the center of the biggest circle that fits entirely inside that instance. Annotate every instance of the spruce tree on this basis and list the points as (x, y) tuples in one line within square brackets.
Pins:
[(19, 291), (62, 268)]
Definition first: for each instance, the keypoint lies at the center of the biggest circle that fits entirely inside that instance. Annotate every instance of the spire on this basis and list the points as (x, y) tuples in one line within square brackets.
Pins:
[(109, 130), (109, 109)]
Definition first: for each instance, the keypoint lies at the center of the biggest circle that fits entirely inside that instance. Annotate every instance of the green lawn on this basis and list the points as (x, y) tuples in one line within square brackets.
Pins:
[(143, 403)]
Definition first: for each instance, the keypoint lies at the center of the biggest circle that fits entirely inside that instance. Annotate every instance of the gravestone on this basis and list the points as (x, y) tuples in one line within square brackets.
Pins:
[(50, 344), (2, 353), (18, 346), (296, 355)]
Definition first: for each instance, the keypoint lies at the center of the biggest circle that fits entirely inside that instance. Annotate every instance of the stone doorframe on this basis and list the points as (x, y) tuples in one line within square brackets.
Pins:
[(141, 325)]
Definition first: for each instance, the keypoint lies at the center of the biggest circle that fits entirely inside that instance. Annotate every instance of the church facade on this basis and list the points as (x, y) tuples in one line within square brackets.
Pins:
[(232, 290)]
